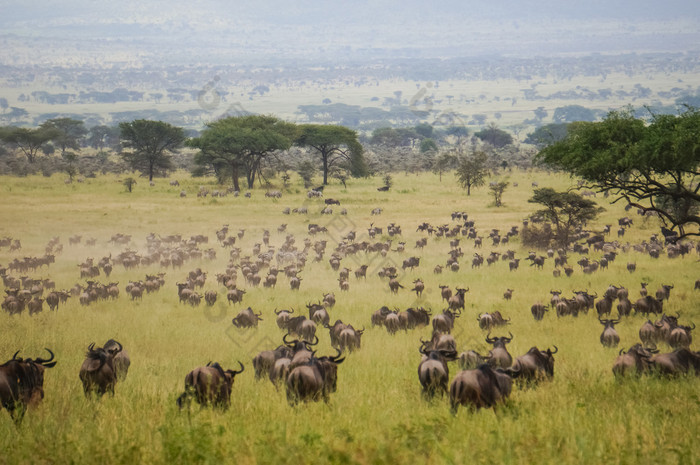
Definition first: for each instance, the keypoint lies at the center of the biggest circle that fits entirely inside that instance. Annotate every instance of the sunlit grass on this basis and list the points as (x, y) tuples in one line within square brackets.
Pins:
[(377, 416)]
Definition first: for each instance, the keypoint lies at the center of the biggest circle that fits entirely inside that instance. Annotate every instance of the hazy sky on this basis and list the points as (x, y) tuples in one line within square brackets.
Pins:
[(378, 28)]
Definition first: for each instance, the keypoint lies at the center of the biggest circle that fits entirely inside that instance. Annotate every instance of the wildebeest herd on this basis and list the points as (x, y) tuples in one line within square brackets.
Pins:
[(483, 380)]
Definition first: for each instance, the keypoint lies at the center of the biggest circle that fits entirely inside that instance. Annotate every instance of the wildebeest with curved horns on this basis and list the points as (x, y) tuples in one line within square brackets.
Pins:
[(492, 320), (499, 356), (313, 380), (22, 383), (636, 361), (609, 337), (246, 319), (121, 358), (433, 372), (97, 372), (481, 387), (677, 362), (445, 321), (536, 364), (209, 385), (265, 360), (538, 310)]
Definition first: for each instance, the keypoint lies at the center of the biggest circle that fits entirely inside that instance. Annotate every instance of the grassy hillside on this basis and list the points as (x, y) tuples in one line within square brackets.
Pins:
[(377, 415)]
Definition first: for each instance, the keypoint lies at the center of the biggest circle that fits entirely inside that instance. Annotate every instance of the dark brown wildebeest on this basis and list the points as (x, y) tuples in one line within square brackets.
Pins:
[(538, 310), (648, 304), (335, 331), (210, 297), (392, 323), (433, 372), (22, 383), (235, 295), (394, 284), (121, 359), (411, 263), (508, 294), (350, 339), (318, 314), (636, 361), (414, 317), (535, 365), (380, 315), (604, 305), (315, 380), (329, 300), (210, 384), (609, 337), (649, 333), (440, 341), (265, 360), (482, 387), (97, 373), (681, 336), (418, 287), (677, 362), (283, 317), (445, 292), (492, 320), (499, 356), (457, 301), (664, 292), (624, 307), (246, 319)]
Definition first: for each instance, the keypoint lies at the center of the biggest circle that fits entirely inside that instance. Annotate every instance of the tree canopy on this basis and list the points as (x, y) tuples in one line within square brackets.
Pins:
[(565, 210), (335, 145), (68, 133), (654, 167), (242, 143), (471, 170), (151, 143), (28, 141), (495, 136)]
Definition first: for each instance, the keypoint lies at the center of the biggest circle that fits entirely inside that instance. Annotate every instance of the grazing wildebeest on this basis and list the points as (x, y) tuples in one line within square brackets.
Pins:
[(414, 317), (536, 364), (314, 380), (22, 383), (648, 304), (210, 384), (492, 320), (636, 361), (499, 356), (97, 372), (482, 387), (677, 362), (246, 319), (609, 337), (433, 372)]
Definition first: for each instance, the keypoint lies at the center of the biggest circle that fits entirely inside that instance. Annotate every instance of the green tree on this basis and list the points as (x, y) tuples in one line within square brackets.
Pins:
[(571, 113), (28, 141), (565, 210), (306, 170), (428, 145), (472, 170), (103, 136), (497, 189), (654, 167), (547, 134), (444, 162), (69, 133), (240, 144), (424, 130), (335, 145), (495, 136), (151, 143)]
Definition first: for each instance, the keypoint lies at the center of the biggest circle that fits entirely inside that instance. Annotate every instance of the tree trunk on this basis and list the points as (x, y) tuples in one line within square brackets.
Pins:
[(234, 177), (324, 157)]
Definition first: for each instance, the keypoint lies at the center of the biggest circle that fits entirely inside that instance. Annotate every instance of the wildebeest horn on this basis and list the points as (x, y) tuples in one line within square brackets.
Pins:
[(621, 351), (314, 343), (556, 349), (276, 312), (14, 357), (47, 363), (509, 338), (284, 340), (91, 347), (234, 373), (489, 339), (692, 323)]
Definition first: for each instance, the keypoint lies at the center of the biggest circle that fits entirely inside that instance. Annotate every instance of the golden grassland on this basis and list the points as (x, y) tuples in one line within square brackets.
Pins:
[(377, 415)]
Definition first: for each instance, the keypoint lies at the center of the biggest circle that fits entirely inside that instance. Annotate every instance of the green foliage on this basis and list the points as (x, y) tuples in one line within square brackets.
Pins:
[(428, 145), (652, 166), (336, 145), (565, 210), (129, 183), (495, 136), (547, 134), (101, 137), (28, 141), (424, 130), (497, 189), (241, 144), (572, 113), (68, 133), (471, 170), (306, 170), (445, 161), (151, 143)]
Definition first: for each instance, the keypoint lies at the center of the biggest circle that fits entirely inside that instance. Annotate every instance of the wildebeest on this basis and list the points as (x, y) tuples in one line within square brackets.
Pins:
[(636, 361), (414, 317), (314, 380), (535, 364), (380, 315), (604, 305), (97, 372), (394, 284), (609, 337), (433, 372), (210, 384), (648, 304), (22, 383), (318, 314), (482, 387), (538, 310), (444, 322), (457, 301), (664, 292), (350, 338), (418, 287), (265, 360), (649, 333), (492, 320), (121, 359), (246, 319), (680, 336), (498, 355), (471, 359), (283, 317), (677, 362)]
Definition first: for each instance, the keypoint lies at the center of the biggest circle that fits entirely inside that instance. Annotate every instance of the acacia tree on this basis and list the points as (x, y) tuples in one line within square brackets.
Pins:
[(654, 167), (239, 145), (28, 141), (68, 133), (565, 210), (497, 189), (151, 143), (335, 145), (472, 170)]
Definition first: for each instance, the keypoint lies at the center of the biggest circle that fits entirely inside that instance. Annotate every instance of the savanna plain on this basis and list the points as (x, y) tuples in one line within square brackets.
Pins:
[(377, 415)]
